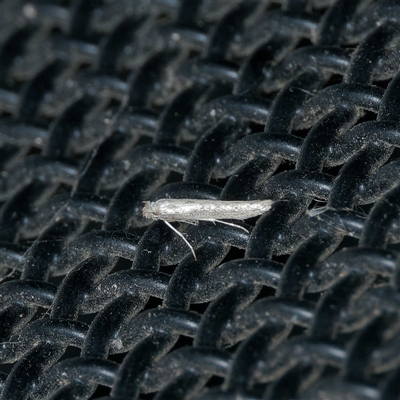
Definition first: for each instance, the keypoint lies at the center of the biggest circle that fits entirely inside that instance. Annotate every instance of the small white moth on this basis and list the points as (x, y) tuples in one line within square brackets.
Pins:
[(192, 211)]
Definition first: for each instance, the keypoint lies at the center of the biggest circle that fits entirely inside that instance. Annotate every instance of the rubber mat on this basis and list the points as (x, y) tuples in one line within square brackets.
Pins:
[(107, 104)]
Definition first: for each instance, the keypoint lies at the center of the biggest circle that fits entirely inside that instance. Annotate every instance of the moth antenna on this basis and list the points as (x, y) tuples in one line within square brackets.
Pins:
[(183, 237)]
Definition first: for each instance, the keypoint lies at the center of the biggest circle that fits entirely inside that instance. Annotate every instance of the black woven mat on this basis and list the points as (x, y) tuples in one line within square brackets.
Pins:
[(106, 104)]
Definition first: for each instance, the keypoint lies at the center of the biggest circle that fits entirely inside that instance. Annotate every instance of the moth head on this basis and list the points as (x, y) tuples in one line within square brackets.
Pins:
[(148, 211)]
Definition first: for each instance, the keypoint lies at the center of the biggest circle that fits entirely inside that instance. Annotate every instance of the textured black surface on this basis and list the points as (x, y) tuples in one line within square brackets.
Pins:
[(105, 104)]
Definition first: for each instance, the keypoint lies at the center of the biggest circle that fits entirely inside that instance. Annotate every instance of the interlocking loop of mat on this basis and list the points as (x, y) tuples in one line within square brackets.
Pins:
[(106, 104)]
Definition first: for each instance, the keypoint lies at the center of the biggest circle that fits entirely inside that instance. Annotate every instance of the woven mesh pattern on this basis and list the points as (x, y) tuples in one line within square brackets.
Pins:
[(106, 104)]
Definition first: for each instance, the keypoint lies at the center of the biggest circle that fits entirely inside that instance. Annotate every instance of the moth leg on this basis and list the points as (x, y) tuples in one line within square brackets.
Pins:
[(183, 237), (227, 223), (190, 222)]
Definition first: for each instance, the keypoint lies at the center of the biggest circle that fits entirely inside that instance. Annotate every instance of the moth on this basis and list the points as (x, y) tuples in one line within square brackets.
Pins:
[(192, 211)]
